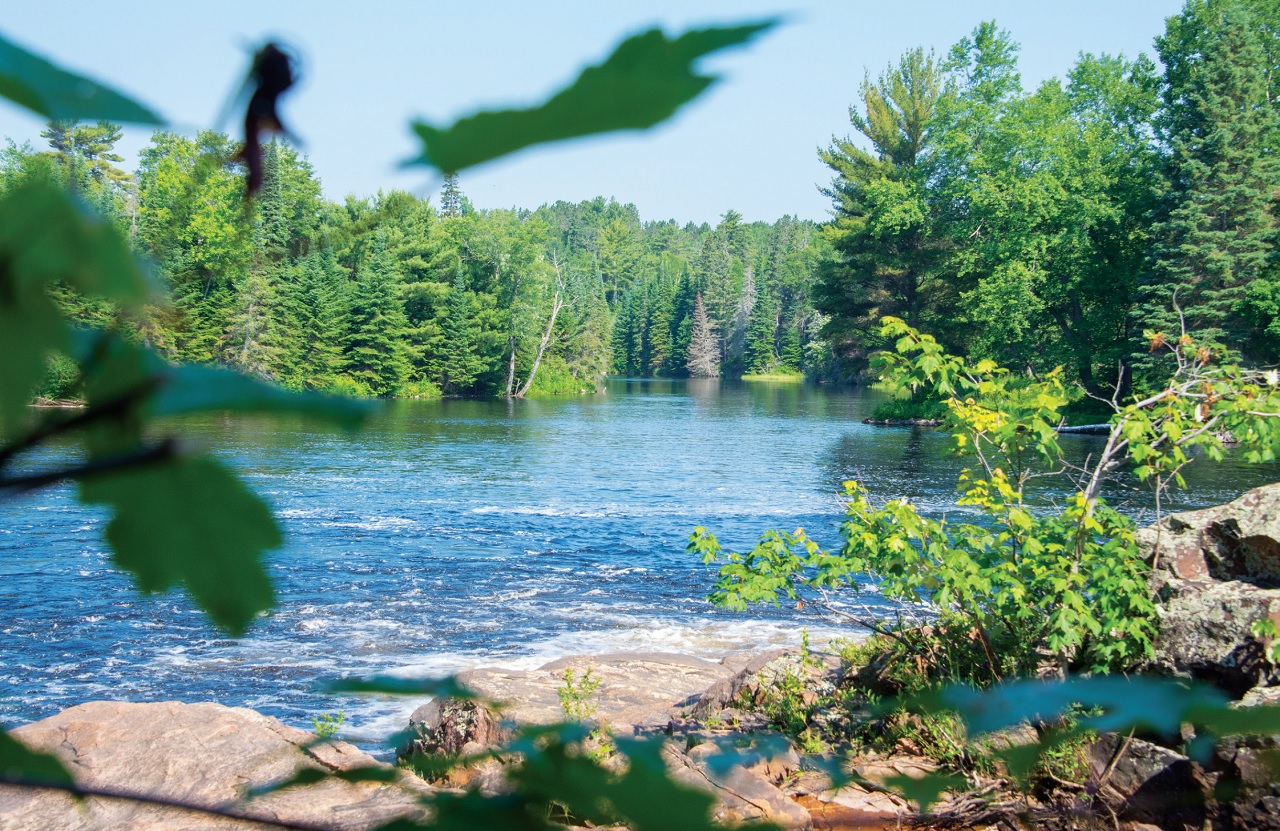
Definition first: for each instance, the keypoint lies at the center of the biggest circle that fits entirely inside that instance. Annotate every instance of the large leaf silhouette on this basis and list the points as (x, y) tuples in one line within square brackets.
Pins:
[(646, 79)]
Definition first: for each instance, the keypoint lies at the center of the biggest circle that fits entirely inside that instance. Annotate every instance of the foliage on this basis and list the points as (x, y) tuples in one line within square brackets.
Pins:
[(179, 516), (578, 696), (327, 725), (1027, 588)]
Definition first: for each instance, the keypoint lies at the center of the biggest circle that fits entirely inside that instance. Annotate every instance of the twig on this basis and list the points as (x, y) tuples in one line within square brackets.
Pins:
[(166, 449)]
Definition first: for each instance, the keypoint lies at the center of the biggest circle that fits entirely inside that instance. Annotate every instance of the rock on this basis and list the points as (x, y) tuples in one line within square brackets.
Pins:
[(639, 692), (1217, 572), (204, 754), (1149, 783), (1206, 632), (1236, 541), (742, 794), (752, 687), (854, 806), (454, 727)]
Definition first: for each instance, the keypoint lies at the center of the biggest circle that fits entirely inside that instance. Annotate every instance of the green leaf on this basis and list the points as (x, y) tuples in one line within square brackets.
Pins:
[(401, 686), (313, 776), (30, 81), (48, 235), (30, 328), (646, 79), (193, 388), (18, 763), (926, 790), (189, 520)]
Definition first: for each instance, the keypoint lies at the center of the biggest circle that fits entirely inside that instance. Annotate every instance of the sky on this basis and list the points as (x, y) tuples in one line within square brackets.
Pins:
[(749, 144)]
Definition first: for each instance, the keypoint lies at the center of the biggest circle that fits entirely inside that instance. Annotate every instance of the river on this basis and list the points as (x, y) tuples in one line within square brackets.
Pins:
[(459, 533)]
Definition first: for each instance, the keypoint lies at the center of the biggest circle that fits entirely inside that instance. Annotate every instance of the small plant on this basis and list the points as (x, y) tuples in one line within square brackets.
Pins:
[(1268, 633), (578, 695), (580, 701), (327, 725)]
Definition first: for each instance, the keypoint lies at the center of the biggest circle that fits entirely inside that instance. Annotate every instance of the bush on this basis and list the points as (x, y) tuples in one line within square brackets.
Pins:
[(555, 378), (62, 380), (419, 389), (348, 387)]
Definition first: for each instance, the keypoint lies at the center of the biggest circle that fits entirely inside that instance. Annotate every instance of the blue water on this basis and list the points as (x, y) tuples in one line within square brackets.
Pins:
[(455, 534)]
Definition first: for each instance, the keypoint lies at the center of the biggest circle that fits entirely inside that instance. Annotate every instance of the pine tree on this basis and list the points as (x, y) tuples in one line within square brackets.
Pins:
[(315, 315), (761, 355), (1219, 229), (460, 364), (452, 202), (704, 347), (375, 354)]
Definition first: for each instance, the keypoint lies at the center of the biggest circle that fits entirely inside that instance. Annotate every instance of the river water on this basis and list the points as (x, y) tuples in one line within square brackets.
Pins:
[(461, 533)]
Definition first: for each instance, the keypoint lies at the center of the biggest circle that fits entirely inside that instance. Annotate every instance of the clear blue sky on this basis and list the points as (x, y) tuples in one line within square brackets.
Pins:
[(749, 144)]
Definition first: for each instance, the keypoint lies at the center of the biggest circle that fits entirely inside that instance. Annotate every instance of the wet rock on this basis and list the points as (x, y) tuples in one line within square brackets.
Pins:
[(202, 754)]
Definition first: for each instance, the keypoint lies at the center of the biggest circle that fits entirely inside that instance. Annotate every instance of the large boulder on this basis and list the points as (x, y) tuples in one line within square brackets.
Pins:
[(198, 754), (1217, 573)]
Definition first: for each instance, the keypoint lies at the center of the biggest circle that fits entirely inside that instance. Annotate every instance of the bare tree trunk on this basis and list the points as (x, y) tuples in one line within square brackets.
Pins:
[(511, 365), (556, 305)]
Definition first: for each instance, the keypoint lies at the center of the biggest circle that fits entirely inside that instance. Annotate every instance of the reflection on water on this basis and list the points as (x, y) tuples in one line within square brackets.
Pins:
[(461, 532)]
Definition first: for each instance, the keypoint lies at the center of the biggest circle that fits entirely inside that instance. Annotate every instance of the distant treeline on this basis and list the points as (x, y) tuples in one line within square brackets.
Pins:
[(394, 295)]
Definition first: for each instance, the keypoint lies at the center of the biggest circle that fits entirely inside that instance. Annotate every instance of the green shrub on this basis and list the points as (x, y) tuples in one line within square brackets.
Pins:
[(419, 389), (62, 380), (348, 387)]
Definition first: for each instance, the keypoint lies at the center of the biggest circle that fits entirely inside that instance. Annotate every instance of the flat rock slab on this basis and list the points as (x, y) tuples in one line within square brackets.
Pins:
[(638, 690), (201, 754)]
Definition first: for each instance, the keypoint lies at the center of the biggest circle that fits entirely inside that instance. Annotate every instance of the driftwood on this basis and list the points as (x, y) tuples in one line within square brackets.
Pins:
[(1087, 429)]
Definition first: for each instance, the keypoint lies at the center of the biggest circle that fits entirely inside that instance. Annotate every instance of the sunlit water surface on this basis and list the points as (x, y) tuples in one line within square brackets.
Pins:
[(455, 534)]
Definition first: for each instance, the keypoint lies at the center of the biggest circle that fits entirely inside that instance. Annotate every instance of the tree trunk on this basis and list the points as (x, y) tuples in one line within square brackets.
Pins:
[(556, 305), (511, 365)]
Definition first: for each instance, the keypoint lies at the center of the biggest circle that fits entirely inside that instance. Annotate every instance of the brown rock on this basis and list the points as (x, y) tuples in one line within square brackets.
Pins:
[(203, 754)]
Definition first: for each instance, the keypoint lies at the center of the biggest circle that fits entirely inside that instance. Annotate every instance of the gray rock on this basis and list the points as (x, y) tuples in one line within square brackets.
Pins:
[(1236, 541), (203, 754), (1217, 573), (1149, 783)]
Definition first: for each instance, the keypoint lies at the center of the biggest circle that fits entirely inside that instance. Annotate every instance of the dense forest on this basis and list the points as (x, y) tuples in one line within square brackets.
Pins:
[(395, 295), (1071, 224), (1077, 224)]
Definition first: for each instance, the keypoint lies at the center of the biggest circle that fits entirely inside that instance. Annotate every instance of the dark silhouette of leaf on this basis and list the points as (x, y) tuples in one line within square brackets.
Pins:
[(191, 521), (47, 236), (20, 764), (270, 76), (646, 79), (312, 776), (401, 686), (30, 81)]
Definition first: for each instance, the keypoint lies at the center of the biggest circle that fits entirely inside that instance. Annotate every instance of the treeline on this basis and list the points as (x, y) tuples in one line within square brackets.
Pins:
[(1077, 224), (755, 282), (392, 295)]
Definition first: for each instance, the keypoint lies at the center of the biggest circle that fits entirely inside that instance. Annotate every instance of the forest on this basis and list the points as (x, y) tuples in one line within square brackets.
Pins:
[(394, 295), (1074, 224)]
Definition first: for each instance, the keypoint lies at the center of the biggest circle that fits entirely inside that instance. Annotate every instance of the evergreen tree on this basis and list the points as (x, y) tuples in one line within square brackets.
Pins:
[(315, 315), (704, 348), (1219, 228), (375, 354), (452, 202), (85, 151), (761, 355), (460, 365)]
